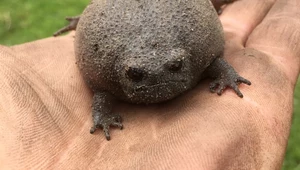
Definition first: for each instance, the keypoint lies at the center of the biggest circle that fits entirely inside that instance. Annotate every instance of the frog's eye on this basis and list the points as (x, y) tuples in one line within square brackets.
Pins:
[(135, 74), (175, 65)]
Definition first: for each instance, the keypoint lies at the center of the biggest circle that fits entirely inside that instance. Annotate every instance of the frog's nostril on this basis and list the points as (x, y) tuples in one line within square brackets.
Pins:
[(175, 65), (135, 74)]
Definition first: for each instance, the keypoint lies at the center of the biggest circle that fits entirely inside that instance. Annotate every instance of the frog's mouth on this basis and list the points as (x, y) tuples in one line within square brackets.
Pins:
[(155, 93), (145, 87)]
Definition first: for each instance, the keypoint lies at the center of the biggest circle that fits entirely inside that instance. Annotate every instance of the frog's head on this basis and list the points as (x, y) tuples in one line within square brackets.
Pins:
[(155, 76)]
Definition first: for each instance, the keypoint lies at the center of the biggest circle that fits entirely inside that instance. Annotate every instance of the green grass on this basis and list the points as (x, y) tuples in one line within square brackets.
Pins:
[(22, 21), (292, 158)]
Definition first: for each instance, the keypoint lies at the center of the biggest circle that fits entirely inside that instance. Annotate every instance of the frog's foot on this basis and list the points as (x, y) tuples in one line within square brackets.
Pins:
[(230, 80), (104, 121), (73, 21), (219, 3), (224, 76)]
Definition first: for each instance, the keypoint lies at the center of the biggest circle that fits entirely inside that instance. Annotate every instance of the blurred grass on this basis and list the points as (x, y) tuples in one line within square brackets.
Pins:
[(27, 20), (292, 158)]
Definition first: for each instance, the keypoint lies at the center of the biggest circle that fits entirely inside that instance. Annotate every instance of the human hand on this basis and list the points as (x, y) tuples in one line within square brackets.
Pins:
[(46, 114)]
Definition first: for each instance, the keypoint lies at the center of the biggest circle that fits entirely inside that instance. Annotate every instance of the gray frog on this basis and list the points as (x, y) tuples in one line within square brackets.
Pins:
[(149, 51)]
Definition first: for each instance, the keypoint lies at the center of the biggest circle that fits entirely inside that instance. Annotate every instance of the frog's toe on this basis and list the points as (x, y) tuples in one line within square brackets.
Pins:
[(217, 86), (242, 80)]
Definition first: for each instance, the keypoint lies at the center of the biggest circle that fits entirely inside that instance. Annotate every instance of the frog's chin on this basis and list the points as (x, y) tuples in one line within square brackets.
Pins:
[(155, 93)]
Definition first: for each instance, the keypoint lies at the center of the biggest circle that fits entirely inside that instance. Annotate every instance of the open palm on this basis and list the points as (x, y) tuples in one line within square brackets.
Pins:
[(45, 106)]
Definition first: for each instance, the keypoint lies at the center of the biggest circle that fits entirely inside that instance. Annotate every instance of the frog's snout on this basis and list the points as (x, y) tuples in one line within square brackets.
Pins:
[(137, 74)]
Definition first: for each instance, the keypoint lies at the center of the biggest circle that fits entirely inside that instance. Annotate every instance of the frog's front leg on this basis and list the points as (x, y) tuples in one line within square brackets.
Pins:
[(224, 76), (102, 113), (73, 21), (219, 3)]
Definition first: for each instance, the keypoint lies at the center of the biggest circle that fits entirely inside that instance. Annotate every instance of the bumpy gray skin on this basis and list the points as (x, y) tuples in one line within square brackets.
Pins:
[(149, 51), (148, 36)]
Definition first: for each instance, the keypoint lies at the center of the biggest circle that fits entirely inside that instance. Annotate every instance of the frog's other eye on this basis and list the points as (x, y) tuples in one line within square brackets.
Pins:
[(135, 74), (175, 65)]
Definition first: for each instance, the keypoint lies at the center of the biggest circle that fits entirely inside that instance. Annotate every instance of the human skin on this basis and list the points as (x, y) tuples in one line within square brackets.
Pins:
[(45, 105)]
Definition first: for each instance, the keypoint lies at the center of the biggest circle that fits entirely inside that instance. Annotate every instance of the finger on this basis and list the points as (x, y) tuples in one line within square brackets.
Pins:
[(240, 18), (281, 36)]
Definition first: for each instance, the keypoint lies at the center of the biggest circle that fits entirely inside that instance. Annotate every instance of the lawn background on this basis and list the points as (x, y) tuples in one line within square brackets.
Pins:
[(28, 20)]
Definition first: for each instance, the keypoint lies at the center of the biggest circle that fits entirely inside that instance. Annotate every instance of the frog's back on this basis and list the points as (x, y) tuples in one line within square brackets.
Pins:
[(117, 21), (112, 29)]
